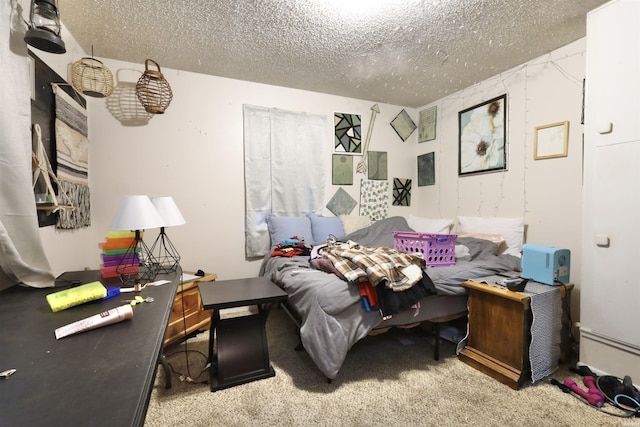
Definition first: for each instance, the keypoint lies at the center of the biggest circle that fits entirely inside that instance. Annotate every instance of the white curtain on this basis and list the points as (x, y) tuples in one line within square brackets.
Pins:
[(22, 258), (285, 166)]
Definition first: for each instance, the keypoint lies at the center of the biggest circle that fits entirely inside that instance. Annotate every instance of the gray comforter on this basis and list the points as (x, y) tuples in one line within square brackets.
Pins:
[(330, 309)]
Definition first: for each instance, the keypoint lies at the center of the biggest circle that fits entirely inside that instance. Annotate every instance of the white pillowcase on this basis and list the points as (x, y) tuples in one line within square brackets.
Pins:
[(352, 223), (430, 225), (512, 229)]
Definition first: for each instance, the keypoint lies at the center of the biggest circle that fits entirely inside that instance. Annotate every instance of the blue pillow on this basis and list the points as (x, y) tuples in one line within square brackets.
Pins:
[(285, 227), (323, 226)]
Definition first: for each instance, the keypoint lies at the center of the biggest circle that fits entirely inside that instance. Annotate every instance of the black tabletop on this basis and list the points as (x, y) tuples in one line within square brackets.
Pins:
[(240, 292), (95, 378)]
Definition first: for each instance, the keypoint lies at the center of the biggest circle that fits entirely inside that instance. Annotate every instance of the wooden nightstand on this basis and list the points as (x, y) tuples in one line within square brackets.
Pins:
[(194, 316), (500, 332)]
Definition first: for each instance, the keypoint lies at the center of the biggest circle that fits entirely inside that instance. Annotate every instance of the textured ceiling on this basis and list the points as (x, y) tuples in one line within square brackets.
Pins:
[(402, 52)]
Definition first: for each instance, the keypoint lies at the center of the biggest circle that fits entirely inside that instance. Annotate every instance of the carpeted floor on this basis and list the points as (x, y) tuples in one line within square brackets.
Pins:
[(389, 379)]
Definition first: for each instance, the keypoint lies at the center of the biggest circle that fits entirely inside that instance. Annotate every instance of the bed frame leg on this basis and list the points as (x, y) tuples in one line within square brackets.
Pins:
[(436, 335)]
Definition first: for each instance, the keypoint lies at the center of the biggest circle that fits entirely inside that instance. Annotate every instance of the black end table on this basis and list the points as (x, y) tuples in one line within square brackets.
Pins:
[(242, 353)]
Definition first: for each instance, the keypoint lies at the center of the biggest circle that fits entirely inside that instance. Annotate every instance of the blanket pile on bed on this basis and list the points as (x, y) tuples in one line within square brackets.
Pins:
[(331, 314), (389, 267)]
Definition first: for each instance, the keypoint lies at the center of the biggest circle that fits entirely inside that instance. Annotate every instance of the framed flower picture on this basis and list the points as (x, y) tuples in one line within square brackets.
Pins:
[(483, 137)]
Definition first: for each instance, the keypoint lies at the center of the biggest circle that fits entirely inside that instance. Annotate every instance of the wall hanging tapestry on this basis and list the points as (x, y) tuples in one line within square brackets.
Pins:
[(72, 153), (374, 199)]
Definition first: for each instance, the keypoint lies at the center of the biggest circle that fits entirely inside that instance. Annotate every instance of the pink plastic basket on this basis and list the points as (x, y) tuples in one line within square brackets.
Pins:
[(438, 250)]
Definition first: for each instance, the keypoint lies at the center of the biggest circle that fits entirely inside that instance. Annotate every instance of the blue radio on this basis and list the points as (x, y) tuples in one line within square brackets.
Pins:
[(545, 264)]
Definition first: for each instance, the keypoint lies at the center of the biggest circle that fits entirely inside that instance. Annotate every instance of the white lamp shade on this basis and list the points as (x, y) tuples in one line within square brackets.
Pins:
[(136, 213), (168, 210)]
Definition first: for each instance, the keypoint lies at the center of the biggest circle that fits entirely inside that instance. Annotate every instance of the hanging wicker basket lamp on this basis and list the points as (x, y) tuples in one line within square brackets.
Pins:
[(92, 78), (153, 90)]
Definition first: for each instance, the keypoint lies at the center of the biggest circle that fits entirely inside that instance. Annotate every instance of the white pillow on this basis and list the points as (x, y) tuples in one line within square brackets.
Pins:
[(352, 223), (430, 225), (512, 229)]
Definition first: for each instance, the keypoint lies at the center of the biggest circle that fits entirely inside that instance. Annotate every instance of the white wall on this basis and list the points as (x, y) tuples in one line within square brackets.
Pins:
[(548, 193), (194, 152)]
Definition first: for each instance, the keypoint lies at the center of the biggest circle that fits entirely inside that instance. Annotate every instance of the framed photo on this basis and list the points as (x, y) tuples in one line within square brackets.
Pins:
[(551, 141), (427, 124), (483, 137), (403, 125)]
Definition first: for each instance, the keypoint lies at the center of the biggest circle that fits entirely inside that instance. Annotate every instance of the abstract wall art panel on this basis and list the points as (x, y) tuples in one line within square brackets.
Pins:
[(426, 169), (403, 125), (341, 169), (348, 133), (427, 124), (401, 191), (341, 203), (377, 165)]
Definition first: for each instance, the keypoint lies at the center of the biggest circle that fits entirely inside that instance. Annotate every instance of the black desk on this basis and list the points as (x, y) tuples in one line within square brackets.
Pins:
[(242, 351), (102, 377)]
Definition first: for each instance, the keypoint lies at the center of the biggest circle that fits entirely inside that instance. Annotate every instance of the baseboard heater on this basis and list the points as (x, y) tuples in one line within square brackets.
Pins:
[(612, 342)]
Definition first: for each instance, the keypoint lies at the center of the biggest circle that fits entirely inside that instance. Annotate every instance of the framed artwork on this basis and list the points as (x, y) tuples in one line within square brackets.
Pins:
[(482, 137), (403, 125), (401, 191), (377, 164), (427, 124), (348, 133), (551, 141), (341, 169), (426, 170)]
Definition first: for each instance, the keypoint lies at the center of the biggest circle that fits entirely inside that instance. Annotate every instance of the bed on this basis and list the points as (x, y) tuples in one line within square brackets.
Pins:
[(330, 313)]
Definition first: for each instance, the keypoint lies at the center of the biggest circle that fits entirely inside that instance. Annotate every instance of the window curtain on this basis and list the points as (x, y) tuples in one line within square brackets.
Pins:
[(22, 258), (285, 166)]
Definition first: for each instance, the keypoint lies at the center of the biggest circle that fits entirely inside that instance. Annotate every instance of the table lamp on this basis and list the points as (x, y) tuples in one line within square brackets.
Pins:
[(136, 213), (164, 251)]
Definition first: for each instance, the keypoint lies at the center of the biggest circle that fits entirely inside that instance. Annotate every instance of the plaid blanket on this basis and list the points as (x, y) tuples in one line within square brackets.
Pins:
[(397, 270)]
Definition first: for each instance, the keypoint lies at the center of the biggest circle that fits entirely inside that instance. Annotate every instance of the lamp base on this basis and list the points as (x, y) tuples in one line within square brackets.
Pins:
[(137, 268), (165, 253), (44, 40)]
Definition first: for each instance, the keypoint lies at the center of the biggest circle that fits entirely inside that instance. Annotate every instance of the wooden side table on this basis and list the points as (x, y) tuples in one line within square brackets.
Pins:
[(500, 332), (188, 315), (242, 353)]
